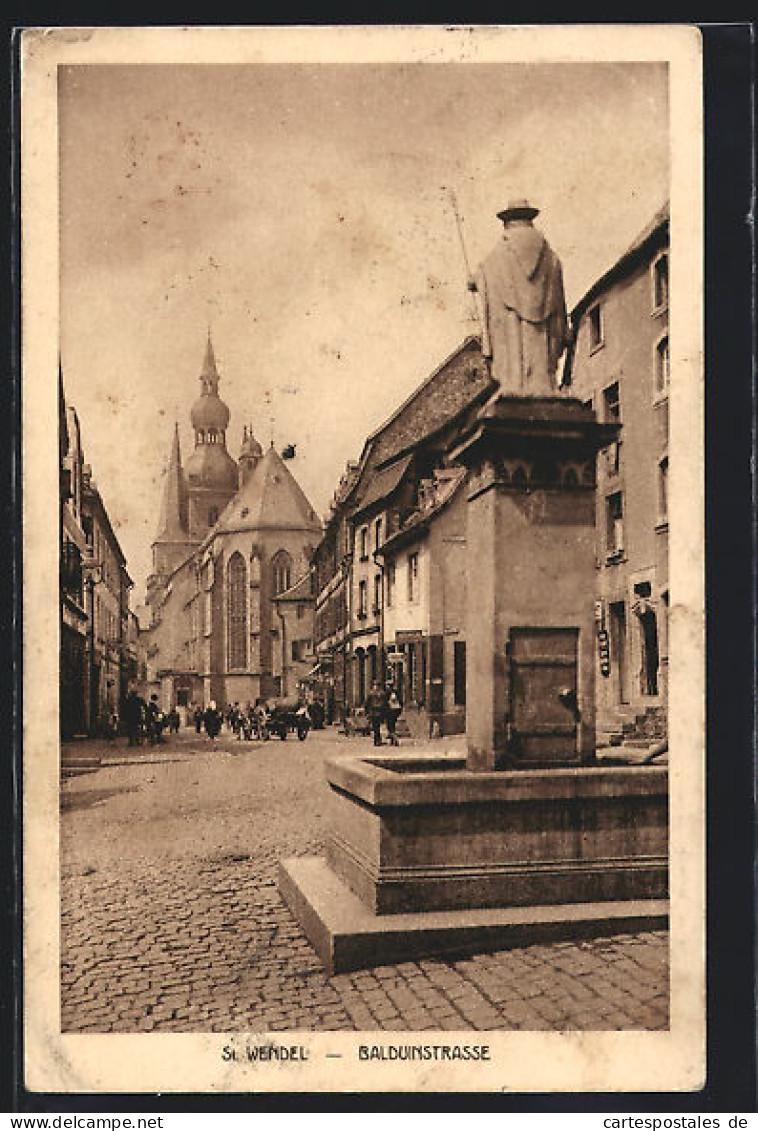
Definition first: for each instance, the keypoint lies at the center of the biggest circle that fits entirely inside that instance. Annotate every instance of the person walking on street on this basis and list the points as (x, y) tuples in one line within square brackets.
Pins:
[(155, 721), (376, 709), (394, 710), (212, 721), (133, 709), (198, 717)]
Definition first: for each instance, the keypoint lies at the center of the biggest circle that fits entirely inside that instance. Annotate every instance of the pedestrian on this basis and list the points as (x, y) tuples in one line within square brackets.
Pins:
[(317, 714), (155, 721), (212, 721), (261, 719), (133, 715), (198, 717), (394, 710), (376, 709)]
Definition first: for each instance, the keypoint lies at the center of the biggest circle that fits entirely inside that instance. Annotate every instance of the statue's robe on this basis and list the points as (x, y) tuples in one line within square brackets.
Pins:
[(525, 328)]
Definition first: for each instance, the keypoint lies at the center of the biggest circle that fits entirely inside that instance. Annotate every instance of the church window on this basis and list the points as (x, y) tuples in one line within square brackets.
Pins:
[(236, 598), (281, 572)]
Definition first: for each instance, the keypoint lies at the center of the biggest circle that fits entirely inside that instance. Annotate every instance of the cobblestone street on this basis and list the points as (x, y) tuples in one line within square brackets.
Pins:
[(171, 919)]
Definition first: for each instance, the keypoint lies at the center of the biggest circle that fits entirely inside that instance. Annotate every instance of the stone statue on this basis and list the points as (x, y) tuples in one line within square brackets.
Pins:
[(524, 324)]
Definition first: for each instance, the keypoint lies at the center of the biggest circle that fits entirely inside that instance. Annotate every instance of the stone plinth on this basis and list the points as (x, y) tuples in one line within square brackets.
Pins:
[(429, 835), (346, 935), (530, 632)]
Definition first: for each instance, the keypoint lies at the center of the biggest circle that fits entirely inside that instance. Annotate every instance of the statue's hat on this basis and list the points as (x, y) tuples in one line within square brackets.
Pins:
[(518, 210)]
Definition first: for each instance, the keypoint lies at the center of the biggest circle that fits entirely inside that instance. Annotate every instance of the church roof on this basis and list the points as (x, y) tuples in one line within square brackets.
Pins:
[(172, 524), (271, 499), (210, 465)]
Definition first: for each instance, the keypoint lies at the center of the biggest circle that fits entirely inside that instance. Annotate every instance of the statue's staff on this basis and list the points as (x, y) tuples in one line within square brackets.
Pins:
[(475, 314)]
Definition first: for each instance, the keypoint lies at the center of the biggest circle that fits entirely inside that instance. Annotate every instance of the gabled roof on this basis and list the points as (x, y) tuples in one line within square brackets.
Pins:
[(652, 234), (413, 422), (270, 499), (300, 591)]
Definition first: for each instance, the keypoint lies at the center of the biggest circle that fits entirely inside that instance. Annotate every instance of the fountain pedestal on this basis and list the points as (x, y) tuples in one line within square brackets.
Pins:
[(526, 839)]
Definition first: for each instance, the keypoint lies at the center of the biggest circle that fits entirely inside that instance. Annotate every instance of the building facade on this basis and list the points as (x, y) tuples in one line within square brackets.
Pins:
[(107, 590), (619, 361), (396, 532), (97, 641), (229, 597), (74, 621)]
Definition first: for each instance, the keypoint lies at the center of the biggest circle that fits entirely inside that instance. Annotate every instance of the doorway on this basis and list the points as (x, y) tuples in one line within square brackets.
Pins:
[(544, 714), (650, 653)]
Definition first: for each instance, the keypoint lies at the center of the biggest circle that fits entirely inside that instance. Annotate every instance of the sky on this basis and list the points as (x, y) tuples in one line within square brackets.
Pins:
[(303, 212)]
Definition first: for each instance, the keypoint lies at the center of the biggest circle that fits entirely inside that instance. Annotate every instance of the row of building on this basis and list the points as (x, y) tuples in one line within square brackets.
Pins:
[(252, 596), (99, 634)]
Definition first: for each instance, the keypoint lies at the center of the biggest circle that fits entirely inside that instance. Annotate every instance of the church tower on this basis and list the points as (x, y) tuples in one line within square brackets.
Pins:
[(250, 453), (212, 476), (173, 542)]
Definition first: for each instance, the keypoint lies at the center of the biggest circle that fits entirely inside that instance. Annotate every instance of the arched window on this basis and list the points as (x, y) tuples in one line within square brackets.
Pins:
[(236, 611), (281, 572)]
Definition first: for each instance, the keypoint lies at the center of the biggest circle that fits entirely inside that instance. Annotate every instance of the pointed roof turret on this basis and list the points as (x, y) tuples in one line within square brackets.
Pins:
[(209, 377), (173, 525)]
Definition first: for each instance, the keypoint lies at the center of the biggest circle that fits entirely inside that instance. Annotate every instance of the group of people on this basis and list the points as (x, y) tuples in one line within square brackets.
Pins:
[(247, 722), (383, 706), (144, 720)]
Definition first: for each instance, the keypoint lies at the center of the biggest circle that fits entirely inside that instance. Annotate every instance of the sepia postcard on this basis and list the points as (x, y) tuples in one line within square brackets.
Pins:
[(362, 395)]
